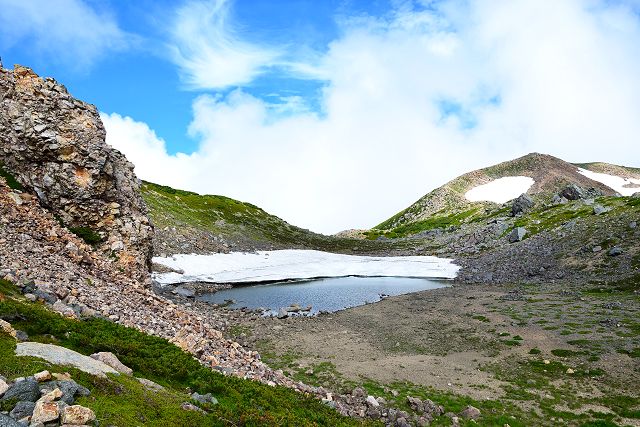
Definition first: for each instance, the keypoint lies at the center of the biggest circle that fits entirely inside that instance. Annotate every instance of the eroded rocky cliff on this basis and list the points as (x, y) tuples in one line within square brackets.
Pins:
[(55, 146)]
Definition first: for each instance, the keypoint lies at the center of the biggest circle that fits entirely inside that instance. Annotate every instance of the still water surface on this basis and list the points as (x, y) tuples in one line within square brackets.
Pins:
[(330, 294)]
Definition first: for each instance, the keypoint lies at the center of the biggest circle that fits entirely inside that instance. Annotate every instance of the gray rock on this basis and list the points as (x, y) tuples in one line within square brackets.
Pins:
[(191, 407), (64, 356), (204, 398), (596, 248), (22, 409), (27, 390), (21, 335), (69, 388), (517, 234), (572, 192), (7, 421), (470, 413), (559, 200), (522, 204), (636, 195), (184, 292), (633, 224), (615, 251), (599, 210), (150, 385), (283, 313)]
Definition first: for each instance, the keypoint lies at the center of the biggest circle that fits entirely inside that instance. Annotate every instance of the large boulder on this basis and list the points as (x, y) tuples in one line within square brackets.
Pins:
[(63, 356), (55, 146), (522, 204), (517, 234)]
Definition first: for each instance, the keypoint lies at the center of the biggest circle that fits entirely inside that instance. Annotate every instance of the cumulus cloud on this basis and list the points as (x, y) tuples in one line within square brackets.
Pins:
[(412, 100), (66, 31)]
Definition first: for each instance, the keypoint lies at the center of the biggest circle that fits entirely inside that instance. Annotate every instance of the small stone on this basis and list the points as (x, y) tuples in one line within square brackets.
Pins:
[(633, 224), (150, 385), (615, 251), (596, 248), (546, 361), (191, 407), (45, 411), (42, 376), (599, 210), (51, 396), (77, 415), (3, 387), (371, 401), (204, 398), (570, 371), (470, 413), (6, 327)]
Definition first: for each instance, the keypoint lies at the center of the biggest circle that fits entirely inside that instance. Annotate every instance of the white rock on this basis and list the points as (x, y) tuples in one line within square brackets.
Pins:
[(77, 415), (64, 356), (42, 376), (372, 401), (45, 412), (113, 361), (3, 387)]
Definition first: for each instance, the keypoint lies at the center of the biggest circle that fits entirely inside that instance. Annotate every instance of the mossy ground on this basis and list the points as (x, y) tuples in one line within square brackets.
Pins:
[(560, 354), (122, 401)]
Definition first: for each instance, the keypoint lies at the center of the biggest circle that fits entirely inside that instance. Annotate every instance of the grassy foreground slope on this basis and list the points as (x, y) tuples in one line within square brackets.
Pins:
[(123, 401)]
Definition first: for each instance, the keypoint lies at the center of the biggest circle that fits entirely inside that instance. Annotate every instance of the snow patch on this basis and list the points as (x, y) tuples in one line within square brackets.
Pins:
[(624, 186), (500, 190), (238, 267)]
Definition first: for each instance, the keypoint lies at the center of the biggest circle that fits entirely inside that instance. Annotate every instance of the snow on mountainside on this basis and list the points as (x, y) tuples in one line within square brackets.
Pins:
[(624, 186), (500, 190)]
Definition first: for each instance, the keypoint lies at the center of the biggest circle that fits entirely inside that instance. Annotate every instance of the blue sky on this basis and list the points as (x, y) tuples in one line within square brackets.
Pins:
[(337, 114)]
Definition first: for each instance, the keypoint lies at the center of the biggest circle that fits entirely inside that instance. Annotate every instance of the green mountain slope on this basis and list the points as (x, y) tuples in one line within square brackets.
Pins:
[(189, 222)]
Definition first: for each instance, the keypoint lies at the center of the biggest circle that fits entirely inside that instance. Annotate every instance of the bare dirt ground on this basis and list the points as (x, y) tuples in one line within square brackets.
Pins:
[(556, 352)]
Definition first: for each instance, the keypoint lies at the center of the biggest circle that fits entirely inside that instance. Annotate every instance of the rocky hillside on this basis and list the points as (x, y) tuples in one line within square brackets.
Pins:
[(447, 205), (53, 145)]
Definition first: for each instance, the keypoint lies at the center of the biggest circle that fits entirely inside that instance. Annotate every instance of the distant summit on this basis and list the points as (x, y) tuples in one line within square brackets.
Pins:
[(538, 175)]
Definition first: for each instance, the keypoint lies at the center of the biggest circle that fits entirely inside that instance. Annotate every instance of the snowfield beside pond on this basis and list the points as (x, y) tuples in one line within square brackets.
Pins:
[(238, 267), (500, 190), (614, 182)]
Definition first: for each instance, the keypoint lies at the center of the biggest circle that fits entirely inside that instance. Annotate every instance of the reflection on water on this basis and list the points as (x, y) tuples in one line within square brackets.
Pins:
[(329, 294)]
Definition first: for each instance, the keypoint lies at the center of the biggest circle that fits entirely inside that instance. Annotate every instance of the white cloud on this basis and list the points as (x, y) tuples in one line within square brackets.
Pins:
[(209, 51), (66, 31), (412, 100)]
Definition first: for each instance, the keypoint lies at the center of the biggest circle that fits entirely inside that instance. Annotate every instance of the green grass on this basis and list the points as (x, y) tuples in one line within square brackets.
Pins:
[(234, 220), (438, 220), (122, 401), (12, 182), (87, 234)]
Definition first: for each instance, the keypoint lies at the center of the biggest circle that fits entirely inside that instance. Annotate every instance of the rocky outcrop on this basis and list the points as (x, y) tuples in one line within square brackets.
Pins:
[(55, 146)]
